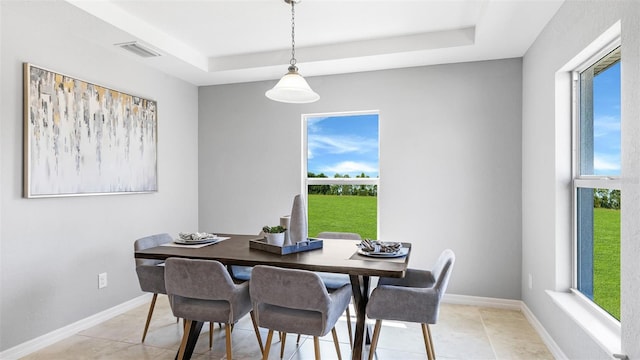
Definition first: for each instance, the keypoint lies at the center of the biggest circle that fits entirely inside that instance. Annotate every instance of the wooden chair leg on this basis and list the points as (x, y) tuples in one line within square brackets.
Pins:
[(336, 343), (146, 325), (267, 346), (228, 328), (349, 327), (211, 335), (283, 340), (428, 341), (255, 328), (316, 347), (374, 341), (185, 337)]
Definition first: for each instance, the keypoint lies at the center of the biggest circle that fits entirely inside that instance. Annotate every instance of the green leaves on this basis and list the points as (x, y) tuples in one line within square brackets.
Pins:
[(273, 229)]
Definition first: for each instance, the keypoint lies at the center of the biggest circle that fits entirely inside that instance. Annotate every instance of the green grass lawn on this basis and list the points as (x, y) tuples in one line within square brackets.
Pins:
[(606, 264), (356, 214)]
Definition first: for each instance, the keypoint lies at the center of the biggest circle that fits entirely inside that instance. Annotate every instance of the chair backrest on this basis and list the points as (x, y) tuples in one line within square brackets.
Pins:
[(198, 279), (339, 235), (290, 288), (442, 270), (149, 242)]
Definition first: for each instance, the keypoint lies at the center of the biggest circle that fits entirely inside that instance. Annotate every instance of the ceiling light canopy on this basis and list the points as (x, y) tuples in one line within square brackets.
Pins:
[(292, 88)]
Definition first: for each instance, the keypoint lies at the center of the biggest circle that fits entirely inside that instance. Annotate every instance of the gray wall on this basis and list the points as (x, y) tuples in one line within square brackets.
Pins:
[(52, 249), (450, 162), (546, 172)]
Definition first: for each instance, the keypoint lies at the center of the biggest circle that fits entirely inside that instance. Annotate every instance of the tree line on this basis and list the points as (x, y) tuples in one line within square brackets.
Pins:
[(353, 190), (605, 198)]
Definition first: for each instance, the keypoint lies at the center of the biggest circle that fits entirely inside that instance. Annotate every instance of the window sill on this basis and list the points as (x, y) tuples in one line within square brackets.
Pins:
[(601, 326)]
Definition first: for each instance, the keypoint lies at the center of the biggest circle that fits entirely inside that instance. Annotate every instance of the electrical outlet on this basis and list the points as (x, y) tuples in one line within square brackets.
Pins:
[(530, 282), (102, 280)]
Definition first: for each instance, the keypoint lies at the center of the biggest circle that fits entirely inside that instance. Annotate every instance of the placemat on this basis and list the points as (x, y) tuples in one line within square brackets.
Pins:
[(196, 246), (400, 259)]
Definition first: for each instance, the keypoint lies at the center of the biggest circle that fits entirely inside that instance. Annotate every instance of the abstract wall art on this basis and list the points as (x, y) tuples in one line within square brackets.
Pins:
[(85, 139)]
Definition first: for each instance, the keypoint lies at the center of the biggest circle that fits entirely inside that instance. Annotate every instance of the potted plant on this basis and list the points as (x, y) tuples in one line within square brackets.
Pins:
[(274, 234)]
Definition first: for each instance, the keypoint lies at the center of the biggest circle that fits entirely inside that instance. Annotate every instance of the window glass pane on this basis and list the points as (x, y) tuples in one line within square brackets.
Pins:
[(342, 213), (598, 220), (600, 117), (343, 146)]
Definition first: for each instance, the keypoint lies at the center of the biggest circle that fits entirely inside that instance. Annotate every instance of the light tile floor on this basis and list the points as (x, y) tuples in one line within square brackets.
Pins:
[(462, 332)]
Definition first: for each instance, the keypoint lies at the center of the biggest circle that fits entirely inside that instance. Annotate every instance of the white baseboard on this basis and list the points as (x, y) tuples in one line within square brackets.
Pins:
[(482, 301), (544, 335), (512, 305), (45, 340)]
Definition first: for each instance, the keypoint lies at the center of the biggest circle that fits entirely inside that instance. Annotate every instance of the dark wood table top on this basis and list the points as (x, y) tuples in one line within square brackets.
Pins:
[(337, 256)]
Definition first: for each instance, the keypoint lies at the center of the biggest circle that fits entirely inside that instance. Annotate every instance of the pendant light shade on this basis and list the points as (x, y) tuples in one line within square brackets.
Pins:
[(292, 88)]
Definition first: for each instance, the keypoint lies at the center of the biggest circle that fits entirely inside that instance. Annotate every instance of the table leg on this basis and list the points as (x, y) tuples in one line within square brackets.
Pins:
[(194, 333), (360, 290)]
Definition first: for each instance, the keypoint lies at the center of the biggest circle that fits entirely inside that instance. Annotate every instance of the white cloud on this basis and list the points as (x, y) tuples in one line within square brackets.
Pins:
[(350, 167), (341, 144), (605, 125), (605, 164)]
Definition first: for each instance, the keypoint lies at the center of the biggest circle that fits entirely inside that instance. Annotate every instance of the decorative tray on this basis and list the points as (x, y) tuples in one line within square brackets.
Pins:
[(310, 244)]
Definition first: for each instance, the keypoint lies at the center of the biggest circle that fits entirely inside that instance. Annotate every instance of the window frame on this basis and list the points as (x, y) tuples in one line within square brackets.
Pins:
[(579, 181), (306, 181)]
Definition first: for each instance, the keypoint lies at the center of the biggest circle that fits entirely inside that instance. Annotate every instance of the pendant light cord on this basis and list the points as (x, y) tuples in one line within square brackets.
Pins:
[(293, 34)]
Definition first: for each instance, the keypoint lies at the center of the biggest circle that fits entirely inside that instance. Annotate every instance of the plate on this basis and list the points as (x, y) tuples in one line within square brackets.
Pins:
[(196, 242), (400, 253)]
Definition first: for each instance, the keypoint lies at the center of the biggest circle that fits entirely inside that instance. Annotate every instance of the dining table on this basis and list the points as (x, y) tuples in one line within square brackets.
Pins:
[(335, 256)]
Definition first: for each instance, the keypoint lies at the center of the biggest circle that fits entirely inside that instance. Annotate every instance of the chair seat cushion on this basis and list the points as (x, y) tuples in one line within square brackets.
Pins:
[(334, 281), (413, 278), (241, 272)]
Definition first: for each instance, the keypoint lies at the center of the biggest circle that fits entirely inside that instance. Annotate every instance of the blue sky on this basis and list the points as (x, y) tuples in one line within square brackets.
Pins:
[(606, 123), (343, 145)]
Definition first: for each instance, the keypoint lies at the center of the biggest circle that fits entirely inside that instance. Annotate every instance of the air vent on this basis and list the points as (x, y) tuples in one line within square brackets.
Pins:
[(139, 49)]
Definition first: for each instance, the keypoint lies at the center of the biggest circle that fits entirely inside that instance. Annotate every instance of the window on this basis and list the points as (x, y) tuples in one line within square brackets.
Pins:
[(341, 172), (596, 179)]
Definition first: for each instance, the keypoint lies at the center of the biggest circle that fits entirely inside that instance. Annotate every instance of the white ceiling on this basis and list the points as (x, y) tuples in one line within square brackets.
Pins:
[(210, 42)]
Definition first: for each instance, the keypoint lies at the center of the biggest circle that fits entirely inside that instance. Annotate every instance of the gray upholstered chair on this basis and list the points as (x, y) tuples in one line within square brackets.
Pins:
[(151, 272), (202, 290), (296, 301), (151, 275), (414, 298), (334, 281)]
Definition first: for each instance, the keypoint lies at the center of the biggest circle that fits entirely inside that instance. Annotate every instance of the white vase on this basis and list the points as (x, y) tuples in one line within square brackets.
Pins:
[(276, 239)]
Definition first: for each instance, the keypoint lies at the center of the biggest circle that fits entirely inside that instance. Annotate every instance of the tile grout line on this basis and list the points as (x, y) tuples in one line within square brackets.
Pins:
[(484, 326)]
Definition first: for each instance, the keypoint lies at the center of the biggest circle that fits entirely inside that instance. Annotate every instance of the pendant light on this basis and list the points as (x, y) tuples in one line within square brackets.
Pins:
[(292, 88)]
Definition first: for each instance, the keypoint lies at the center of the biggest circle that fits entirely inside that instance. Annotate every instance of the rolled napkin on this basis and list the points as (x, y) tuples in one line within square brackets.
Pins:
[(197, 236), (298, 224), (369, 245)]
